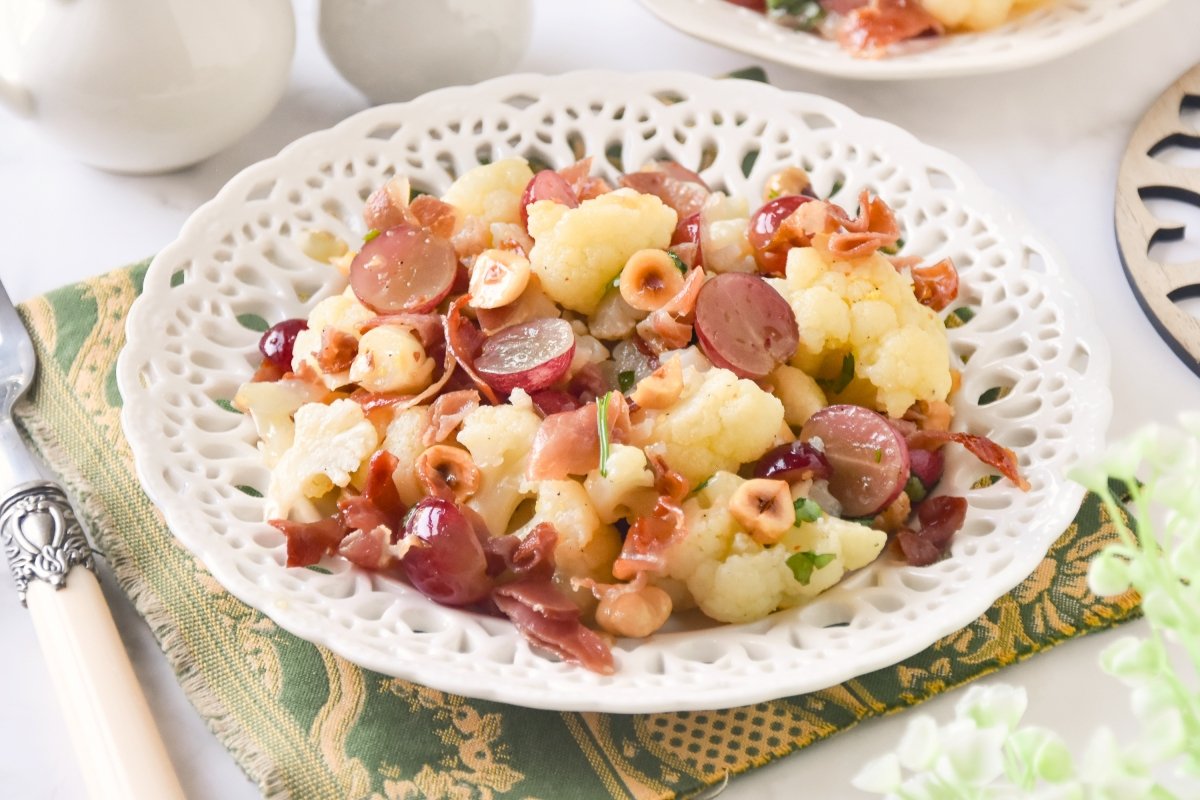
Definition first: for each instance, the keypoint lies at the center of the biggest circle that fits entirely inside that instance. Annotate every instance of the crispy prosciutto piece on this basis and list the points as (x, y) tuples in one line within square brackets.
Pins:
[(981, 447), (935, 285), (528, 557), (554, 401), (670, 327), (585, 185), (426, 327), (338, 350), (447, 413), (549, 620), (568, 443), (649, 537), (308, 541), (875, 227), (940, 518), (463, 341), (869, 30), (436, 216)]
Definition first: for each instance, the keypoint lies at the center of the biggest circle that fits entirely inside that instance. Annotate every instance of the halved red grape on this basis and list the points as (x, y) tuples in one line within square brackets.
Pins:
[(547, 185), (926, 465), (447, 563), (792, 462), (530, 356), (687, 231), (744, 325), (404, 269), (771, 256), (869, 459), (278, 341)]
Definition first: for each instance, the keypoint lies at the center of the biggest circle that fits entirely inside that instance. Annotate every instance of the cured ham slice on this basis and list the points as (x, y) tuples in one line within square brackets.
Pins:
[(870, 29), (463, 341), (568, 443), (548, 619), (936, 285), (307, 542), (670, 327), (677, 186), (447, 413), (981, 447)]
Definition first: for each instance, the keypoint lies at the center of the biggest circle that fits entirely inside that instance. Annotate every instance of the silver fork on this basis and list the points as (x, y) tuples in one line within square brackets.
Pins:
[(120, 752)]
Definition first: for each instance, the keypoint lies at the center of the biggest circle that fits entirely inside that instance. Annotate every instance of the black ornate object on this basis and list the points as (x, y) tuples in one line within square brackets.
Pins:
[(1145, 176), (41, 536)]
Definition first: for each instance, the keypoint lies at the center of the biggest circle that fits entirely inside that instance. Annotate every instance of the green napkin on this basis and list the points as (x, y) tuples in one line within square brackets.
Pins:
[(308, 725)]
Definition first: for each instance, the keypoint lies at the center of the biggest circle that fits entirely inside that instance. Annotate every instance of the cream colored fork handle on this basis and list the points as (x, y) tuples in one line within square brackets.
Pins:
[(119, 749)]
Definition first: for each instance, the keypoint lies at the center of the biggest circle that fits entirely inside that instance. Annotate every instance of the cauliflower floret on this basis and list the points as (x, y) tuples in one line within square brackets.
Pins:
[(578, 251), (586, 547), (866, 308), (499, 439), (403, 440), (732, 578), (342, 312), (491, 192), (718, 423), (331, 442), (975, 15), (271, 405), (799, 393), (627, 486)]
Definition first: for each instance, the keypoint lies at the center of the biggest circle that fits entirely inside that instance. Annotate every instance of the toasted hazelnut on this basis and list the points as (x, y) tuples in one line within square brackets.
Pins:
[(447, 472), (661, 388), (764, 508), (649, 279), (895, 515), (790, 180), (497, 278), (637, 613)]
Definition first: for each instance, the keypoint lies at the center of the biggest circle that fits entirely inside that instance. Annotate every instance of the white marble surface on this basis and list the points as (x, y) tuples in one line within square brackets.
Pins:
[(1049, 138)]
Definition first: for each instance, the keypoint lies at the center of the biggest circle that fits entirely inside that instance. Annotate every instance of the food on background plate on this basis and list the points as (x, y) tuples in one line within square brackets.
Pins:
[(589, 406), (867, 28)]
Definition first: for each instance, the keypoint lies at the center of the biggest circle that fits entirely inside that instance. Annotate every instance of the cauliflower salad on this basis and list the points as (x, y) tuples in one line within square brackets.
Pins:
[(585, 407)]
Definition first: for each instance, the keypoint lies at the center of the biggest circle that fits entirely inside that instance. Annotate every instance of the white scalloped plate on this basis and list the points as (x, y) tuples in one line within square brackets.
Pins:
[(1050, 31), (238, 255)]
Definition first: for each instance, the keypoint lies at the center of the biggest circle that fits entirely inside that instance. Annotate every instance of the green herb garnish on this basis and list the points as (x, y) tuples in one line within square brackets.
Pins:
[(878, 456), (679, 265), (960, 316), (804, 15), (703, 485), (839, 384), (371, 234), (602, 430), (803, 563), (626, 379), (807, 511), (893, 249)]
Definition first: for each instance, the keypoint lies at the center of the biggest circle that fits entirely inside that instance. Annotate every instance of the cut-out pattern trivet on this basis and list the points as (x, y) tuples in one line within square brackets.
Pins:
[(1158, 283)]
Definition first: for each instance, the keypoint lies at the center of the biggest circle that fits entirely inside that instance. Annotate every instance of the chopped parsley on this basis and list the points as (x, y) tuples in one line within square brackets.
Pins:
[(807, 511), (803, 563), (602, 430), (804, 15), (679, 265), (893, 249), (626, 379), (878, 455), (703, 485), (839, 384), (371, 234), (960, 316)]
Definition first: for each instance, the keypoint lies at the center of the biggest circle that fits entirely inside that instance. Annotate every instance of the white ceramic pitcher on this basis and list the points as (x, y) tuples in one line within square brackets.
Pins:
[(144, 86)]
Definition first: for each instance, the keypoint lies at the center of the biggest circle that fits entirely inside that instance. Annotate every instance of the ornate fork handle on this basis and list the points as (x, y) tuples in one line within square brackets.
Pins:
[(42, 538)]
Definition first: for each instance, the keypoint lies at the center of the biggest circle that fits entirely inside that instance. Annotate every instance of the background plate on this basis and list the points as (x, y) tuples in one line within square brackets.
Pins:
[(191, 341), (1053, 30)]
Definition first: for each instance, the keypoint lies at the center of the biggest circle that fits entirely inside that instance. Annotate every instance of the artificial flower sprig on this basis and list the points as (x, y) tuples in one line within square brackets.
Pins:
[(984, 753)]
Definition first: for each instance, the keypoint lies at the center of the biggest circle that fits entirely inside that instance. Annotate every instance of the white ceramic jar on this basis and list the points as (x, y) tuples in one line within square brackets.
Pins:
[(396, 49), (144, 86)]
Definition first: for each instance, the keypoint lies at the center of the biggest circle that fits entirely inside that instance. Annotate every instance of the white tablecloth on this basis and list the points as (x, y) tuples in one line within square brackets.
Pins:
[(1049, 138)]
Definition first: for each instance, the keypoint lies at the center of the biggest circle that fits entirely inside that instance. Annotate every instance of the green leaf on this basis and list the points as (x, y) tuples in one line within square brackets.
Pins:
[(254, 322), (803, 563), (679, 265), (915, 489), (807, 511), (227, 405), (749, 74), (602, 430), (626, 379), (319, 569), (960, 316), (893, 249), (702, 486), (371, 234), (250, 490), (804, 15), (839, 384)]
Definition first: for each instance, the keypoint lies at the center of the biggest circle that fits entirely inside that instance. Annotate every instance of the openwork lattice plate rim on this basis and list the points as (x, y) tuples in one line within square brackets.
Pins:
[(237, 258)]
